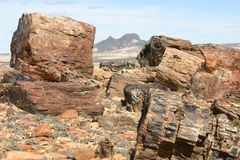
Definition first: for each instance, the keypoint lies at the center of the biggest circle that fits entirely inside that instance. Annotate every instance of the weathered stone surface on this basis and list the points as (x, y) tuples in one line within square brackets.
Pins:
[(43, 130), (218, 56), (69, 114), (135, 95), (54, 98), (177, 68), (116, 85), (118, 65), (152, 53), (232, 110), (4, 70), (52, 48), (116, 123), (209, 71), (84, 154), (15, 75), (213, 85), (221, 75), (100, 73), (146, 74), (174, 128), (105, 149)]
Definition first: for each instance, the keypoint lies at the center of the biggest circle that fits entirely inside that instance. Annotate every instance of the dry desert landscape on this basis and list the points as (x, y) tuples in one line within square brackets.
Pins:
[(166, 99)]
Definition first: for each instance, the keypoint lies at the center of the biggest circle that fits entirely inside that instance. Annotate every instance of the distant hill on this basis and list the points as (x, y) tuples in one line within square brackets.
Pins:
[(232, 45), (127, 40)]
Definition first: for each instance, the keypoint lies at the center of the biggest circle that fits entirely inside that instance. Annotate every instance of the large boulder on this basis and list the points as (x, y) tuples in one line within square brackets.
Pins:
[(153, 51), (177, 68), (55, 98), (208, 71), (220, 77), (172, 127), (52, 48), (116, 85)]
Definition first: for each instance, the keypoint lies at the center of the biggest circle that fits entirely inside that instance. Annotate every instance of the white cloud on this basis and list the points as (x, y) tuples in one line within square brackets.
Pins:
[(56, 2)]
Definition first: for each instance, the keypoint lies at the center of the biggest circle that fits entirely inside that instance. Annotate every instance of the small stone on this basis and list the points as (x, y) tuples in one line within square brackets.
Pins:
[(43, 130), (69, 114), (84, 154), (25, 147)]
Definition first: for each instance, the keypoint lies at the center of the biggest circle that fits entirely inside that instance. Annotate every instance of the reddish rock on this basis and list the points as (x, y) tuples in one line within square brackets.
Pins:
[(52, 48), (146, 74), (152, 52), (219, 56), (205, 85), (116, 85), (84, 154), (43, 130), (100, 73), (208, 71), (25, 147), (69, 114), (22, 155), (221, 75), (55, 98), (177, 68)]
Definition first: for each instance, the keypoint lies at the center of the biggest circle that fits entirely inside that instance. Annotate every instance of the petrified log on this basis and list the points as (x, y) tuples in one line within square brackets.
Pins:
[(154, 50), (231, 110), (116, 85), (135, 95), (54, 98), (173, 128), (52, 48), (177, 68)]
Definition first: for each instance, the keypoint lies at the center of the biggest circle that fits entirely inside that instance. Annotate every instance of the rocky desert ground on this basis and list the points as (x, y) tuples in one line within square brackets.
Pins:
[(175, 100)]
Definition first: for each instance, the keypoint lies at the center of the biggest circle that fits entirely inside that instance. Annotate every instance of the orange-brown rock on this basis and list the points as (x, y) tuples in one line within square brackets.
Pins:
[(219, 56), (177, 68), (52, 48), (84, 154), (100, 73), (55, 98), (43, 130), (25, 147), (69, 114), (23, 155), (116, 85), (208, 71)]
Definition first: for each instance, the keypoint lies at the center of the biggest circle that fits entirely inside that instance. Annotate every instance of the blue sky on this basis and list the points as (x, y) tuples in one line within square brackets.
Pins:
[(201, 21)]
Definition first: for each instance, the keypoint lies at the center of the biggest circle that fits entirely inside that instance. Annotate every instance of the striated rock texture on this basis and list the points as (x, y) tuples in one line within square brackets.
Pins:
[(221, 75), (153, 51), (207, 71), (52, 48), (55, 98), (174, 128), (177, 68)]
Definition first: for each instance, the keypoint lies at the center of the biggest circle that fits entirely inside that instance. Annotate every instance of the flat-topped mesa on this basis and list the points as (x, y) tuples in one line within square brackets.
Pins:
[(52, 48)]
